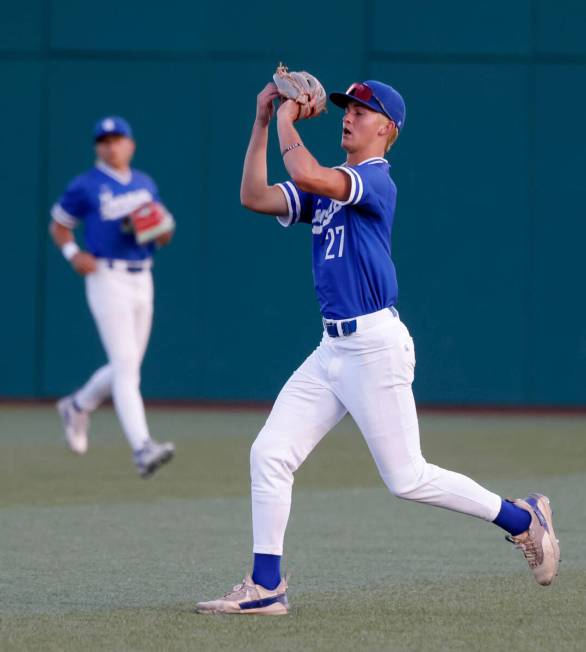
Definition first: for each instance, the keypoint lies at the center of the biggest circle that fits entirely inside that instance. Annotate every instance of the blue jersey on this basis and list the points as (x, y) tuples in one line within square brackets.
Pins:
[(353, 272), (100, 199)]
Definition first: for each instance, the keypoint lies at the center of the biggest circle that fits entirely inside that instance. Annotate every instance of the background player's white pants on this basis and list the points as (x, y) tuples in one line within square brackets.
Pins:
[(122, 305), (368, 374)]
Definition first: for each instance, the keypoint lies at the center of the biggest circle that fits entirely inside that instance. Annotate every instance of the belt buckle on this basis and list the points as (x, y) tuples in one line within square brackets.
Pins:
[(345, 327)]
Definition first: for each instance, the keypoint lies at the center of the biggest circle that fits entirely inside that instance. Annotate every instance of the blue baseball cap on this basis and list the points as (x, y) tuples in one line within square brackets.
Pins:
[(377, 96), (112, 124)]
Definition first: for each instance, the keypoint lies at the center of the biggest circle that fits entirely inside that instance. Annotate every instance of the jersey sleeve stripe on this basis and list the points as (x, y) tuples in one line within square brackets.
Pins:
[(286, 220), (360, 186), (353, 186), (297, 202), (60, 215)]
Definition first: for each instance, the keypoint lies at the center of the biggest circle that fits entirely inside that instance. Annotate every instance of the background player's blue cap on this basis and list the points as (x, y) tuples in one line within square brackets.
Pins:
[(112, 124), (376, 96)]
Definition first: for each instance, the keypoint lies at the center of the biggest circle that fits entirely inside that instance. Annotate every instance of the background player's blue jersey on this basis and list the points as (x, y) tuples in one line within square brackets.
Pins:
[(353, 271), (101, 198)]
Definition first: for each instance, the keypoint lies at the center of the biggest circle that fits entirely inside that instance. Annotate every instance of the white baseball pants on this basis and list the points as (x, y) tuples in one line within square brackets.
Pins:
[(121, 303), (369, 375)]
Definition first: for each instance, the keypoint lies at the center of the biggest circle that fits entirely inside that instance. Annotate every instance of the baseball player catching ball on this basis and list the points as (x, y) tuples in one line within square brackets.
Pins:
[(365, 362), (123, 223)]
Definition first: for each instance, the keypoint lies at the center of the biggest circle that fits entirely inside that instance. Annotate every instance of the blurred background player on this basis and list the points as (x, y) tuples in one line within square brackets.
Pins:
[(119, 288), (365, 362)]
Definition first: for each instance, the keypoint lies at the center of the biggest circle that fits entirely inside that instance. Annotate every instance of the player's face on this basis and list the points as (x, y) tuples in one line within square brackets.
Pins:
[(116, 151), (360, 127)]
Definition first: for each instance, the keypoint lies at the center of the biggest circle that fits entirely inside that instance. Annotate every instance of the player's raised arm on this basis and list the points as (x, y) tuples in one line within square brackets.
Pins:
[(255, 193), (301, 165)]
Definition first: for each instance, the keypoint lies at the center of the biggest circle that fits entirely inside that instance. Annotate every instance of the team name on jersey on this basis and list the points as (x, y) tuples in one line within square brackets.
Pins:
[(323, 216), (113, 207)]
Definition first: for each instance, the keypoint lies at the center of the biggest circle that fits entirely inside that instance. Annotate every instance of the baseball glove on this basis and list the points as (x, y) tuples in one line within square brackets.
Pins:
[(302, 88), (149, 221)]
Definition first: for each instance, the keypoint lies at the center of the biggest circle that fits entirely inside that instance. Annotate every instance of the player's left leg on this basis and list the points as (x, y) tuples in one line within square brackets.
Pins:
[(143, 316), (116, 298), (153, 454), (376, 376), (305, 410), (112, 299)]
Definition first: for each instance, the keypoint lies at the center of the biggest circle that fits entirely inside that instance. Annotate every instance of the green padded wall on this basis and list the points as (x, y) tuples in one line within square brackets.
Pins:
[(489, 228), (21, 176), (459, 242)]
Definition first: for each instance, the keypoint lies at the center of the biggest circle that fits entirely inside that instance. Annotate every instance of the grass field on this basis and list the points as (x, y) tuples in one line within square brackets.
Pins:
[(94, 558)]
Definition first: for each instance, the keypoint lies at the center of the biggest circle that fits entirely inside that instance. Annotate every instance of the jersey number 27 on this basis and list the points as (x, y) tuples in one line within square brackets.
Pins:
[(331, 236)]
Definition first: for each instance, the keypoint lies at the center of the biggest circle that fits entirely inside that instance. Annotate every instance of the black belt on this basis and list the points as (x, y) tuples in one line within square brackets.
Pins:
[(347, 327), (132, 266)]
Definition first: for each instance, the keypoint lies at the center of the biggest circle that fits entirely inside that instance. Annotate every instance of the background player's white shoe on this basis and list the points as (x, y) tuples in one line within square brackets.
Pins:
[(75, 425), (249, 598), (152, 456), (539, 544)]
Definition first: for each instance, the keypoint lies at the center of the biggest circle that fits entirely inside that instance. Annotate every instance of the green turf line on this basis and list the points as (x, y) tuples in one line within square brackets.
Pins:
[(93, 558)]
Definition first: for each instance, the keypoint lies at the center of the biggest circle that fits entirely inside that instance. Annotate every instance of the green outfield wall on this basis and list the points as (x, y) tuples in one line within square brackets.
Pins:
[(490, 224)]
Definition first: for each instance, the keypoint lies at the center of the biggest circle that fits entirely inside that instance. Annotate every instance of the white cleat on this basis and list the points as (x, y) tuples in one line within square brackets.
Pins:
[(539, 544), (249, 598), (152, 456), (75, 425)]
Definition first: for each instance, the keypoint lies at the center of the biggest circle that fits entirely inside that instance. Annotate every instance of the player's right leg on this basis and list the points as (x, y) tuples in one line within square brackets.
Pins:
[(96, 390), (75, 424), (305, 410), (376, 388), (75, 409)]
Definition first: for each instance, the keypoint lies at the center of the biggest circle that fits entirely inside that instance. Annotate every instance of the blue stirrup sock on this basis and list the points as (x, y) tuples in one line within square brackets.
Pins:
[(267, 570), (513, 519)]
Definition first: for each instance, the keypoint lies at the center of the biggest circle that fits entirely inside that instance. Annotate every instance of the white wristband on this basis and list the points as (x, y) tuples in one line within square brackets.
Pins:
[(69, 249)]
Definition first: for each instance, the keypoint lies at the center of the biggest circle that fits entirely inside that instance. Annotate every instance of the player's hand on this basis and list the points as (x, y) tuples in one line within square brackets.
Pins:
[(293, 111), (84, 263), (264, 104), (164, 239)]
